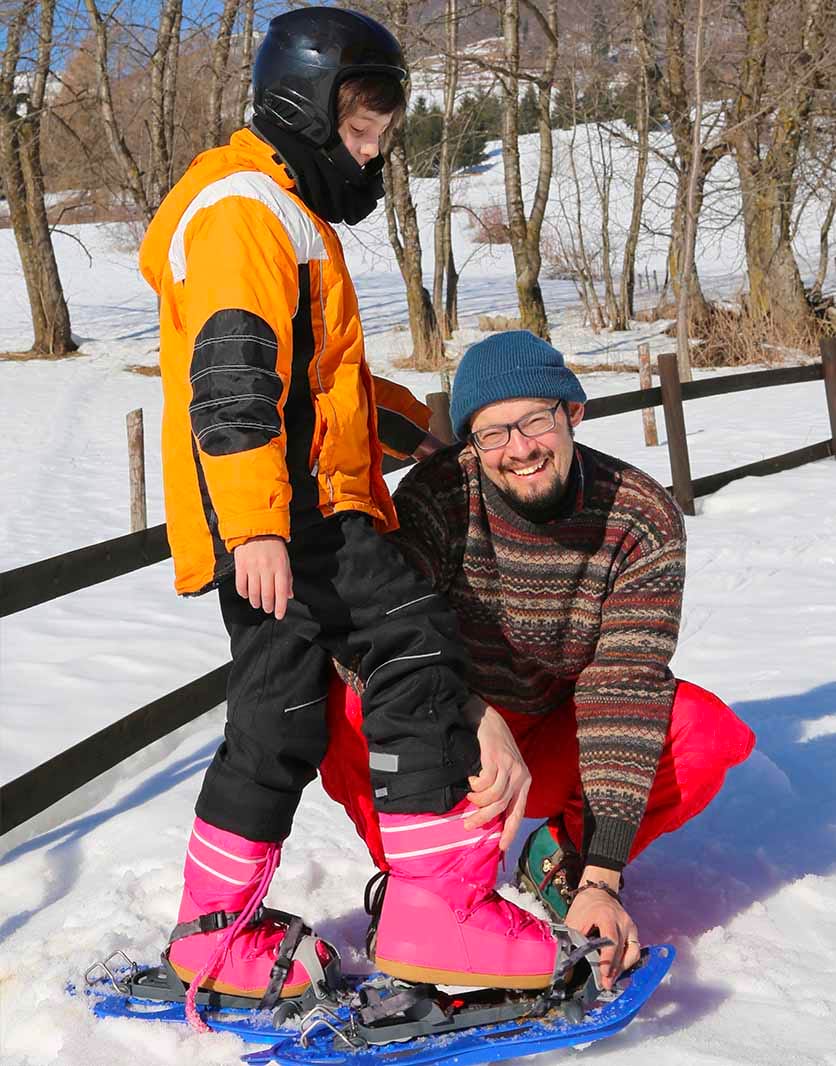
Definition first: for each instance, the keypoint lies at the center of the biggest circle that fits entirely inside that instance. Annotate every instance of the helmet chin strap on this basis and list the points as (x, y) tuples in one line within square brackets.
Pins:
[(329, 180), (349, 168)]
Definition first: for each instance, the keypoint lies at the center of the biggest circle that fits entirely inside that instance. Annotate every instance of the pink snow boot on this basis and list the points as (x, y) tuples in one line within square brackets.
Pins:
[(224, 940), (441, 921)]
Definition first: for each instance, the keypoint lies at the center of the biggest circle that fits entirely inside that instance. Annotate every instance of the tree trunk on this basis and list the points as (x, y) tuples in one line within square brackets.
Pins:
[(675, 95), (776, 291), (579, 257), (698, 305), (525, 232), (683, 348), (246, 67), (451, 308), (405, 237), (442, 234), (824, 248), (402, 220), (130, 173), (602, 171), (163, 87), (218, 78), (625, 307), (21, 117), (766, 136)]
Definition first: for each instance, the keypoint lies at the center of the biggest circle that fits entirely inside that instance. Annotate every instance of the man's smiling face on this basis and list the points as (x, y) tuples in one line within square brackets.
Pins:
[(531, 472)]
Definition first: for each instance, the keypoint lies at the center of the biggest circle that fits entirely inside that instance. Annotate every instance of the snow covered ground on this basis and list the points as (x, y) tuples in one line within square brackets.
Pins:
[(747, 892)]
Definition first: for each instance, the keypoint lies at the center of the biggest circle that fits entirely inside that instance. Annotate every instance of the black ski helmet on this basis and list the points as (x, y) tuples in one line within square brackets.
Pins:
[(304, 57)]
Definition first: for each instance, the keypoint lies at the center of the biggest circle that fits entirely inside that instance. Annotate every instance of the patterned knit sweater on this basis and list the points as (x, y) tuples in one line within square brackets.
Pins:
[(587, 605)]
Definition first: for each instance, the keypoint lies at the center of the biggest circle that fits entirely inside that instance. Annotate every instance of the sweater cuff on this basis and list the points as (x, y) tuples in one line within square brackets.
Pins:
[(610, 842)]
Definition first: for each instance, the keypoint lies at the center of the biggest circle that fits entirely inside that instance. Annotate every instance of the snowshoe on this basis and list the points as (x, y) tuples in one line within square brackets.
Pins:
[(355, 1020)]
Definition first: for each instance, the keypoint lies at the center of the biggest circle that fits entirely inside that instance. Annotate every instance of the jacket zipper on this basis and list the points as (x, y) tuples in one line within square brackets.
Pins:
[(318, 376)]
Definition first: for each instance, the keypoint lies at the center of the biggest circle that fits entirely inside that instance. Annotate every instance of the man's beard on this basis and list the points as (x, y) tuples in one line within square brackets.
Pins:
[(545, 507)]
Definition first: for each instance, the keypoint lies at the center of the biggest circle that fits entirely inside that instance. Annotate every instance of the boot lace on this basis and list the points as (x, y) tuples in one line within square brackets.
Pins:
[(519, 919), (259, 891)]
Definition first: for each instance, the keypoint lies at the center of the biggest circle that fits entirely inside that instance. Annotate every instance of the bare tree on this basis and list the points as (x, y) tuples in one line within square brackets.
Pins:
[(219, 75), (145, 184), (526, 230), (245, 68), (683, 351), (23, 89), (163, 89), (573, 248), (786, 45), (446, 309), (824, 248), (402, 222), (405, 238), (640, 14), (817, 184), (599, 148), (675, 94)]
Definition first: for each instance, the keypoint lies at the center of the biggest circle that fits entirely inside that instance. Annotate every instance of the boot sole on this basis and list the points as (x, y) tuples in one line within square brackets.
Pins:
[(428, 975), (212, 985)]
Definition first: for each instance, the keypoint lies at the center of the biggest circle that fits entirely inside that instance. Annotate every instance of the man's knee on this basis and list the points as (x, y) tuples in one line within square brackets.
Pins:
[(705, 732)]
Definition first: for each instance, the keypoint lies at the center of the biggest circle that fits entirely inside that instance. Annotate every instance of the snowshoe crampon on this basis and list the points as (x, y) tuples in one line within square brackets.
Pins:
[(376, 1019)]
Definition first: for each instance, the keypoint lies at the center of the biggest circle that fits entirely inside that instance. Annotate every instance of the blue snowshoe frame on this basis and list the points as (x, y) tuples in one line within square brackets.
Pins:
[(329, 1041)]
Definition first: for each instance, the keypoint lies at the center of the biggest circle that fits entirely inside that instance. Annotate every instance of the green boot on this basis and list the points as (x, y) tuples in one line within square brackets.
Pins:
[(550, 868)]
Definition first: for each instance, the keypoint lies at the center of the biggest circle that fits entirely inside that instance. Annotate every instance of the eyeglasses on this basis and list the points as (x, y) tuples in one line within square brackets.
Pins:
[(532, 425)]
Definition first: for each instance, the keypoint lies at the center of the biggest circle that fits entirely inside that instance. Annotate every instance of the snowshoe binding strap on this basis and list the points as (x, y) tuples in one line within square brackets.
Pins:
[(300, 944), (574, 947), (213, 922), (373, 904), (393, 1013)]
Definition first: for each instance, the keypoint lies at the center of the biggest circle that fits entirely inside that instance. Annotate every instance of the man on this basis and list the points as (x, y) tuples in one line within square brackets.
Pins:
[(565, 568)]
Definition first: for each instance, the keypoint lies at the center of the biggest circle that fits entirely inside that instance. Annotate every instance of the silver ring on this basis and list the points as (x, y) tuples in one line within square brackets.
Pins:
[(631, 941)]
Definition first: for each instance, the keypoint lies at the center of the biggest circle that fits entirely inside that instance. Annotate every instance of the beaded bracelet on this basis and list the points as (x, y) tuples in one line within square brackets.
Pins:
[(602, 885)]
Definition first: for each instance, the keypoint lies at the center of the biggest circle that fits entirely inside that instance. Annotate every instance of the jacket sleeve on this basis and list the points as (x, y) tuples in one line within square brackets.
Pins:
[(402, 421), (240, 293)]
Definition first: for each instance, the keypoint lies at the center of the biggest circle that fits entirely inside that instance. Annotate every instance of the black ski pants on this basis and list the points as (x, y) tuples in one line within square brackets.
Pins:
[(356, 599)]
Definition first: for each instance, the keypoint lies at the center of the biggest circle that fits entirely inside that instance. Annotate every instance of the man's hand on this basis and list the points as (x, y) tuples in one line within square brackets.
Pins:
[(504, 780), (262, 574), (595, 909)]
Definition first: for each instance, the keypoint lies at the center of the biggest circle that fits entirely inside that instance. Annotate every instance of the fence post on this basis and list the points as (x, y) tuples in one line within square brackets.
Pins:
[(683, 488), (651, 437), (828, 358), (136, 470), (441, 426)]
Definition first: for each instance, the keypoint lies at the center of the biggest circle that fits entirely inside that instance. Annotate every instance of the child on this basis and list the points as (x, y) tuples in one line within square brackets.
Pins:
[(274, 496)]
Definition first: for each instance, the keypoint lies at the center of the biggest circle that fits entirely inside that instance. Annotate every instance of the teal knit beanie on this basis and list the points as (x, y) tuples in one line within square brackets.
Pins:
[(509, 366)]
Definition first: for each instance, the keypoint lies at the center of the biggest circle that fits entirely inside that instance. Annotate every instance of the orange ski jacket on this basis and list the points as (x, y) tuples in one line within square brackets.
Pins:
[(269, 406)]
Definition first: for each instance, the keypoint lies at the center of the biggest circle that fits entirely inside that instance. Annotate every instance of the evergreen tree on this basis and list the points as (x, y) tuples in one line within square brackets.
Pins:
[(529, 113), (423, 136)]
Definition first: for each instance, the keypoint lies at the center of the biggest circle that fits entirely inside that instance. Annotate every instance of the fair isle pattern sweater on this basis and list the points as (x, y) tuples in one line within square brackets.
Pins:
[(586, 606)]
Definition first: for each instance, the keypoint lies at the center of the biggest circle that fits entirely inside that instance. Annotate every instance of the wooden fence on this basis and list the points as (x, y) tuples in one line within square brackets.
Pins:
[(43, 581)]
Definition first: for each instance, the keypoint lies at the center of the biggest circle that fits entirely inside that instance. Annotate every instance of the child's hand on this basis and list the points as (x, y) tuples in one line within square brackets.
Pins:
[(262, 574)]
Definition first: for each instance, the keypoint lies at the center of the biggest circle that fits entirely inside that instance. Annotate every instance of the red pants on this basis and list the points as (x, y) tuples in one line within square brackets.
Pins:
[(705, 738)]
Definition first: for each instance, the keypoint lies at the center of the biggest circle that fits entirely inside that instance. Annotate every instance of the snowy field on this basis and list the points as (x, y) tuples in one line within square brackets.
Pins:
[(746, 892)]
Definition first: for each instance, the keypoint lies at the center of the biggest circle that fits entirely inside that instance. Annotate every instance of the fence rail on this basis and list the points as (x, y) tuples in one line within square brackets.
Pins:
[(38, 789), (40, 582)]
